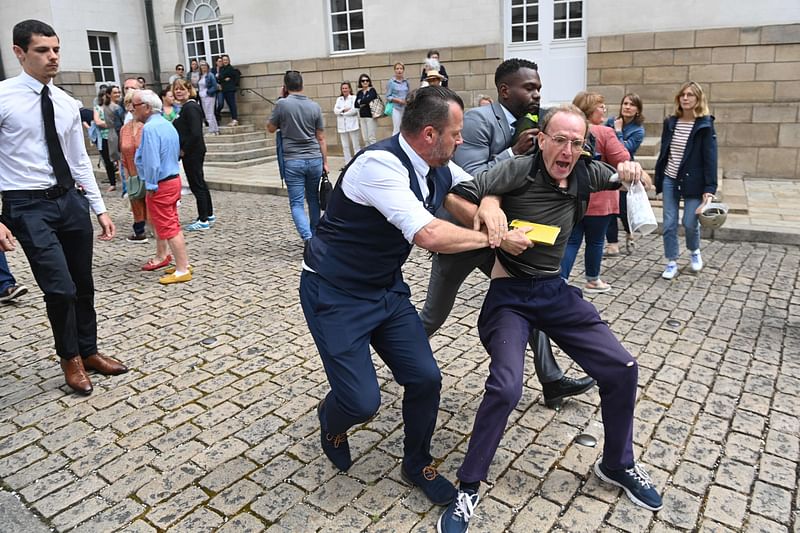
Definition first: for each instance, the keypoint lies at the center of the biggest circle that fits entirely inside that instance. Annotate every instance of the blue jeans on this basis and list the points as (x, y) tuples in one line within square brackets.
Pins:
[(594, 227), (302, 181), (691, 224), (6, 277)]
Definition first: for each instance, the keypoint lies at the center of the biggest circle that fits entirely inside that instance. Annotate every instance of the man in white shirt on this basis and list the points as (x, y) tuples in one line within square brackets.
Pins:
[(352, 289), (42, 158)]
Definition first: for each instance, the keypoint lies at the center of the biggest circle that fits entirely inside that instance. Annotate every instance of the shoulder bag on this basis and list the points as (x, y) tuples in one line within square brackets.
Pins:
[(325, 191), (376, 107)]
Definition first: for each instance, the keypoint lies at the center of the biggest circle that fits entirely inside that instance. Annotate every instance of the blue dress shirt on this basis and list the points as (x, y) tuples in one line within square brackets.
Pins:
[(157, 155)]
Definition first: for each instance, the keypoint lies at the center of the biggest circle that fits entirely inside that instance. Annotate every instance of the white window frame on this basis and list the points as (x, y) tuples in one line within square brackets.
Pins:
[(112, 43), (204, 26), (525, 4), (569, 20), (332, 34)]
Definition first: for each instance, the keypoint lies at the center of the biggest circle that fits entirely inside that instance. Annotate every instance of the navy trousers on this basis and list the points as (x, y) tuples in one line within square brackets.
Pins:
[(343, 327), (513, 307), (57, 237)]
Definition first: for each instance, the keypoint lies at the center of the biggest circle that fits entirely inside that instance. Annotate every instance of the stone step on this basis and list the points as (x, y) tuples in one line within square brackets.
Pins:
[(649, 146), (239, 155), (217, 147), (243, 163), (648, 162), (238, 137), (241, 128)]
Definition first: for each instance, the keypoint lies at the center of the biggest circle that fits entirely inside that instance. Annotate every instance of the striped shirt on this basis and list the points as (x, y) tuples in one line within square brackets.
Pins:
[(677, 146)]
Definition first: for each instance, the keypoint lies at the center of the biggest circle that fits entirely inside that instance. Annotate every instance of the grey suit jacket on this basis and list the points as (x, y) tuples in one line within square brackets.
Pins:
[(487, 135)]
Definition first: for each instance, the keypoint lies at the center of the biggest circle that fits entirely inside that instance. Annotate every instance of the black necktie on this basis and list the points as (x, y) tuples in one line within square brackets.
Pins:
[(431, 189), (57, 159)]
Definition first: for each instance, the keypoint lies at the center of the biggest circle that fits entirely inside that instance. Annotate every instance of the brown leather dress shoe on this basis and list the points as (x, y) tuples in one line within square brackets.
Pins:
[(103, 364), (75, 375)]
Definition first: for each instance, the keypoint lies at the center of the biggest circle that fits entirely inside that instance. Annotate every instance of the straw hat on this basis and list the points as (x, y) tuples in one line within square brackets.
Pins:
[(434, 75)]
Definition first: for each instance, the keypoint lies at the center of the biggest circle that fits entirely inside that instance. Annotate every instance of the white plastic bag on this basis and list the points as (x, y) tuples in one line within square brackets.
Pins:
[(641, 218)]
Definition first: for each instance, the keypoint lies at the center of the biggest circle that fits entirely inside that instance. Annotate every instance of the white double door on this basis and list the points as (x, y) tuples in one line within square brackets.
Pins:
[(552, 33)]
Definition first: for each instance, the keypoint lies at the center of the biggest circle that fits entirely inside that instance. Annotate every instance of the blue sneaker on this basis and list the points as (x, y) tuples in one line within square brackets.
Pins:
[(212, 219), (636, 483), (455, 519), (198, 225)]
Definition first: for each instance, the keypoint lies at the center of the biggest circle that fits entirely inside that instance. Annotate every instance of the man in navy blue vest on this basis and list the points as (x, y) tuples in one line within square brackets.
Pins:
[(352, 289)]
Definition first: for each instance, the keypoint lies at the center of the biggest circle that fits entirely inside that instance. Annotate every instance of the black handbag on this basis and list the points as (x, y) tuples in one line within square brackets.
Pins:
[(325, 191)]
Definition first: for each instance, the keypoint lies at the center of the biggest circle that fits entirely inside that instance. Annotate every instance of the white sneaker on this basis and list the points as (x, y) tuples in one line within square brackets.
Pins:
[(697, 261), (671, 271)]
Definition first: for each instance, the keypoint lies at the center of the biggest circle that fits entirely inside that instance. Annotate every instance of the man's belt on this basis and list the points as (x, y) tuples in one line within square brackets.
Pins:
[(169, 178), (51, 193)]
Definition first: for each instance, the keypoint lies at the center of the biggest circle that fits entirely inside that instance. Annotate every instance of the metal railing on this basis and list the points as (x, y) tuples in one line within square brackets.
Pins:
[(245, 90)]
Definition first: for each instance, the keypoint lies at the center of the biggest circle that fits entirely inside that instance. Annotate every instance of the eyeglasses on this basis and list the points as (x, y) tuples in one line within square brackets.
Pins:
[(364, 81), (134, 104), (559, 140), (179, 68)]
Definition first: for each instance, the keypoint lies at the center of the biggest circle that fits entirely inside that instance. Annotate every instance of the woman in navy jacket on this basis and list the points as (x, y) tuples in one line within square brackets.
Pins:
[(686, 168)]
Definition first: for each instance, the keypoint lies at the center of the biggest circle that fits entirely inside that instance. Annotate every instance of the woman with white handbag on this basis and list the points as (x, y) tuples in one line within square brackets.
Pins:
[(366, 118)]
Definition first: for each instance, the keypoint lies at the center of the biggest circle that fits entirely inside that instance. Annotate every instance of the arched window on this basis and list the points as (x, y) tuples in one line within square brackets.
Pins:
[(202, 30)]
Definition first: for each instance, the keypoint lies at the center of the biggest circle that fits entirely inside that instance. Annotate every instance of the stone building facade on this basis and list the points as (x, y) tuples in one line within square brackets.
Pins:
[(751, 75), (748, 60)]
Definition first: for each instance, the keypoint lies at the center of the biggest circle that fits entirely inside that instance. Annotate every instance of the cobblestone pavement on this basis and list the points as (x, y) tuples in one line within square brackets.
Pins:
[(215, 428)]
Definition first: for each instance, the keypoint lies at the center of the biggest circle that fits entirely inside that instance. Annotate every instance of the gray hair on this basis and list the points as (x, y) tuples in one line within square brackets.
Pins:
[(146, 96)]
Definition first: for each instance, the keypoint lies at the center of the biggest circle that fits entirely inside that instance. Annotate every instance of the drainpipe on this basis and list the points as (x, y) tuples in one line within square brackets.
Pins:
[(151, 33)]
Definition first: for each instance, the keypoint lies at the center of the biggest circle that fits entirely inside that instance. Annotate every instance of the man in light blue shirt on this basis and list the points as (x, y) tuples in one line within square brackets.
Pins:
[(157, 162)]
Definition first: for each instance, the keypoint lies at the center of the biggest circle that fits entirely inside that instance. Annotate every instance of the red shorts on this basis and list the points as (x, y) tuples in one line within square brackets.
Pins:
[(162, 208)]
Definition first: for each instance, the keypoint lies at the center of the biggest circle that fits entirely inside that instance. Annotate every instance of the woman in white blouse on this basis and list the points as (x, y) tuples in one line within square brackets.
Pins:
[(347, 121)]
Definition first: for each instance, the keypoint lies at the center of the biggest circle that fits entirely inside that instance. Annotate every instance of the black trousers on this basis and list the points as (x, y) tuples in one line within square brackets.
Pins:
[(193, 165), (111, 171), (57, 237)]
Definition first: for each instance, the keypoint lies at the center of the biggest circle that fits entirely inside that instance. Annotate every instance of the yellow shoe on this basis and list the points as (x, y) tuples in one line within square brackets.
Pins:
[(172, 278), (171, 269)]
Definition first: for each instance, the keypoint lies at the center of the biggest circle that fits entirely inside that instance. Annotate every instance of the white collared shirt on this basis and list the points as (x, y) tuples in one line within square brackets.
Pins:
[(509, 117), (24, 159), (511, 120), (378, 179)]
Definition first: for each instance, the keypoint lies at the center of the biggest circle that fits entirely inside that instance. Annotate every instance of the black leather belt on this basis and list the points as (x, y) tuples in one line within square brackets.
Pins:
[(51, 193), (170, 178)]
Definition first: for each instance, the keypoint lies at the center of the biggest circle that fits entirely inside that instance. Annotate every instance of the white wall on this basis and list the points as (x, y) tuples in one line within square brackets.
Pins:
[(398, 25), (75, 18), (72, 20), (610, 17), (274, 31), (12, 12)]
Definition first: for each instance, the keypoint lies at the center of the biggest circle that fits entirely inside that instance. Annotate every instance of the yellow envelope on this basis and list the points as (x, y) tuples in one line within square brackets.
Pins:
[(539, 233)]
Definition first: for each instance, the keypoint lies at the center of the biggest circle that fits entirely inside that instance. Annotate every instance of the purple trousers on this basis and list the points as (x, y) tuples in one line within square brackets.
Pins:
[(513, 307)]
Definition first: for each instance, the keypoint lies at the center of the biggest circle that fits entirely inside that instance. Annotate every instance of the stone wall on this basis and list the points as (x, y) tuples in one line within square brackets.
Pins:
[(470, 70), (79, 84), (751, 76)]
